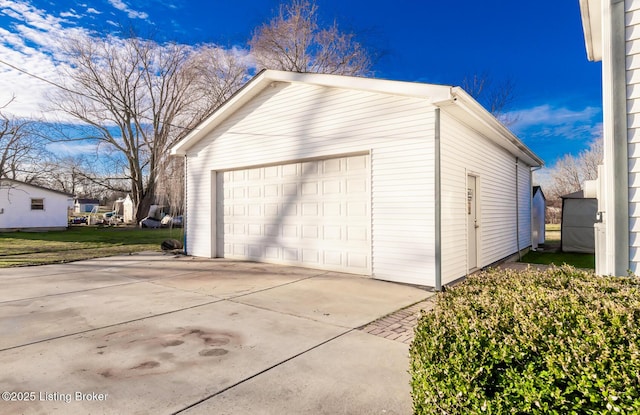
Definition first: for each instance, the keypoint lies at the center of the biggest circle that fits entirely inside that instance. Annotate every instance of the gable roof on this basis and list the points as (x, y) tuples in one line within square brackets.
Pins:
[(538, 189), (87, 201), (576, 195), (18, 182), (452, 99)]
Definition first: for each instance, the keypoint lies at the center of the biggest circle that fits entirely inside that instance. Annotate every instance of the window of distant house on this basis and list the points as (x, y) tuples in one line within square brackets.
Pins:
[(37, 204)]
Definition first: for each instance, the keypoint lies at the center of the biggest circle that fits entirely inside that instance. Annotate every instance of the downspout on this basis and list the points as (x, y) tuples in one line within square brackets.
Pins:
[(438, 204), (184, 214), (518, 212)]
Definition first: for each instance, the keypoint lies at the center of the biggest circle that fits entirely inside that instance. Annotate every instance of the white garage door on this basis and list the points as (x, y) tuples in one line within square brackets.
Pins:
[(314, 214)]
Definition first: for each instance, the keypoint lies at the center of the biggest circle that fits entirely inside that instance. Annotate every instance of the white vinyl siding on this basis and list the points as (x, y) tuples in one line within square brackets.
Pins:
[(286, 123), (465, 152), (632, 36)]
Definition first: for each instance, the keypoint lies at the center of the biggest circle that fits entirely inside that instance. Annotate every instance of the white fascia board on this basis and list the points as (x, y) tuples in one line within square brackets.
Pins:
[(468, 111), (591, 13), (429, 92)]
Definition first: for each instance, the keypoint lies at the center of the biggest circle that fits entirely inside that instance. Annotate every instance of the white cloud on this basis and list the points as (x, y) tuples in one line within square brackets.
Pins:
[(73, 148), (93, 11), (32, 43), (132, 14), (546, 114), (70, 13), (547, 121)]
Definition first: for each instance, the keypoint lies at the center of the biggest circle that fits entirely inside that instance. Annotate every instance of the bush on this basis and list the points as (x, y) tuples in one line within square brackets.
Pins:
[(561, 341)]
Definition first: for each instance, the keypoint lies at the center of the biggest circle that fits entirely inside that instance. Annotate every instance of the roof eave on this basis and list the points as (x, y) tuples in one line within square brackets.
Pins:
[(482, 121), (18, 182), (591, 13)]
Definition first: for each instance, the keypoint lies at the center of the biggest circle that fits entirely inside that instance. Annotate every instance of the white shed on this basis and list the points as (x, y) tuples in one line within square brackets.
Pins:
[(400, 181), (25, 206), (124, 208), (578, 220), (539, 210)]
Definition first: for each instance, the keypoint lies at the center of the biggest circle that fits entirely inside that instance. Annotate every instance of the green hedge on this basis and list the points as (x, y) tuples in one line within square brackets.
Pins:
[(556, 342)]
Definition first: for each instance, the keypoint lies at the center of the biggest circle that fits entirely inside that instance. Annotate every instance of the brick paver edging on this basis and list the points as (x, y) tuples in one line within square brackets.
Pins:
[(399, 325)]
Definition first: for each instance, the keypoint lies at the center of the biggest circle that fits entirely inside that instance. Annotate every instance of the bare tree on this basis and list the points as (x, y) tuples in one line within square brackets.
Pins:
[(294, 41), (140, 98), (21, 152), (72, 175), (570, 172), (496, 97)]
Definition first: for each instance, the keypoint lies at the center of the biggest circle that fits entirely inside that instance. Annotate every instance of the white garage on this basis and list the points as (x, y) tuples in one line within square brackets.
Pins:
[(401, 181)]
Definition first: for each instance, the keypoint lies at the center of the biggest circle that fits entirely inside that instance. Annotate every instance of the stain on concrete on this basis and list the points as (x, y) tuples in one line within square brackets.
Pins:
[(213, 352), (148, 350), (106, 373), (172, 343), (146, 365), (216, 341)]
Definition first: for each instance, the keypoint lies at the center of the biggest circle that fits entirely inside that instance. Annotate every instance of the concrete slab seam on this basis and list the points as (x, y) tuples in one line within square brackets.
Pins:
[(151, 281), (112, 325), (155, 315), (262, 372)]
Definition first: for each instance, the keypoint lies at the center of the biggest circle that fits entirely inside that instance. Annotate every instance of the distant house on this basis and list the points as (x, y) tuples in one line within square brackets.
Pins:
[(538, 211), (24, 206), (400, 181), (85, 205)]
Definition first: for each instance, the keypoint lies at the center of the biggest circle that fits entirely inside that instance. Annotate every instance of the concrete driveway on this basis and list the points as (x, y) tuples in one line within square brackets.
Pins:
[(157, 334)]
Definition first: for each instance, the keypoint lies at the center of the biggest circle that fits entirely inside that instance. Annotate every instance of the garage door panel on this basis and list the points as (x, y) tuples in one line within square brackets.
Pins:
[(290, 189), (290, 231), (357, 163), (271, 190), (331, 187), (331, 209), (357, 261), (357, 233), (313, 213)]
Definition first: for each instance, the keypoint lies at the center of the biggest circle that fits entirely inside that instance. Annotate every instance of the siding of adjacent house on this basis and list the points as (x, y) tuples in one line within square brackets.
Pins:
[(465, 152), (632, 36), (290, 121)]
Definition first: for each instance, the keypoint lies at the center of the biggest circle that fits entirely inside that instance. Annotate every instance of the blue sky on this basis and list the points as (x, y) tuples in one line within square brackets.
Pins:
[(539, 45)]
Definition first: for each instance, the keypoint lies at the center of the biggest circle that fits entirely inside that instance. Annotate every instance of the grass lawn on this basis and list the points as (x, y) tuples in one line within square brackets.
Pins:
[(552, 233), (77, 243), (587, 261), (548, 257)]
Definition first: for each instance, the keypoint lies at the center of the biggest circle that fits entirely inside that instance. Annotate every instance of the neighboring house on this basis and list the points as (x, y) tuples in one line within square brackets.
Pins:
[(85, 205), (27, 207), (401, 181), (612, 35), (578, 220), (538, 214)]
